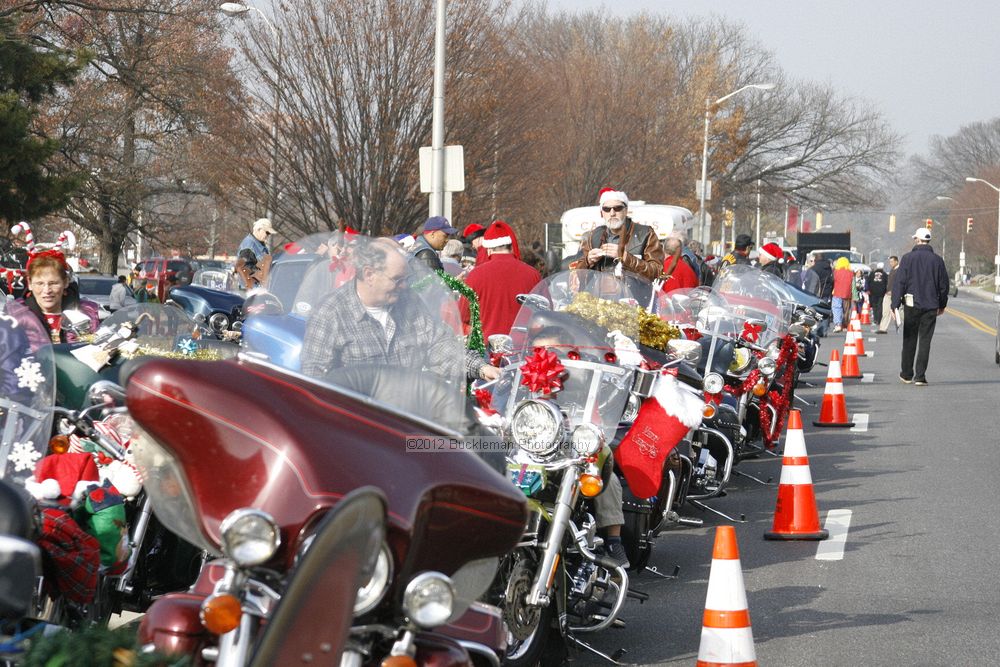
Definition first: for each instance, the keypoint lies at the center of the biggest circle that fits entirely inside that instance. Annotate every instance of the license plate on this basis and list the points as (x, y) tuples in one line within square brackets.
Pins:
[(529, 478)]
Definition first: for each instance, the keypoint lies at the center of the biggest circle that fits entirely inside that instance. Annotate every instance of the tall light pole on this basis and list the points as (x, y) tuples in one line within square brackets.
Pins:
[(239, 9), (996, 259), (704, 151), (436, 203)]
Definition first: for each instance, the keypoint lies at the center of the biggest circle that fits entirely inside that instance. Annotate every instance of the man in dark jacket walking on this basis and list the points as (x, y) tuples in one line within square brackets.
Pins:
[(921, 286), (876, 291)]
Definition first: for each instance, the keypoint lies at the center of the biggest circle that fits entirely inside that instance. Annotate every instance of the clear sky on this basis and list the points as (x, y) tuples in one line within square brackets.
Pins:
[(928, 66)]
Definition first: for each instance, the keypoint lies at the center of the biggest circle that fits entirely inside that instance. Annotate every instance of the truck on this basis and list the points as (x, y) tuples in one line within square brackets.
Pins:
[(663, 218), (831, 246)]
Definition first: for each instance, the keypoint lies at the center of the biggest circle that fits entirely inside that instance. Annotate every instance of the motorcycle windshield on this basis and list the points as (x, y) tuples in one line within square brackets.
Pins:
[(158, 330), (757, 303), (360, 315), (27, 393), (577, 340)]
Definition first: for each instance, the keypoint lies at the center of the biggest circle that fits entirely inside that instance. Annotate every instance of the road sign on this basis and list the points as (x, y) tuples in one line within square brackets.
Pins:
[(454, 169), (697, 189)]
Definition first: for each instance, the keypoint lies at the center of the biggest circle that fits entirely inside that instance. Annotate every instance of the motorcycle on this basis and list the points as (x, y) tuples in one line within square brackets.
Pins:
[(268, 452), (581, 363)]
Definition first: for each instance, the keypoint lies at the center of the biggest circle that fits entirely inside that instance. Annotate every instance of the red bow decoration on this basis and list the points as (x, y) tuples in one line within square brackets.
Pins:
[(713, 398), (751, 332), (542, 372), (691, 333), (485, 400), (669, 371)]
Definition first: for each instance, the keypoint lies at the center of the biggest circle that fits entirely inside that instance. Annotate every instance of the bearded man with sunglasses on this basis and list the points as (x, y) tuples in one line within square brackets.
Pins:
[(621, 245)]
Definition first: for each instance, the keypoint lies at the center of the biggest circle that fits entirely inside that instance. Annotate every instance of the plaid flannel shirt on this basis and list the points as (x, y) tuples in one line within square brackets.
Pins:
[(341, 333)]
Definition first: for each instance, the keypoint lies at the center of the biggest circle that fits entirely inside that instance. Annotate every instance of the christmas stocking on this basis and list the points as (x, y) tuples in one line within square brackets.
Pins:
[(663, 421)]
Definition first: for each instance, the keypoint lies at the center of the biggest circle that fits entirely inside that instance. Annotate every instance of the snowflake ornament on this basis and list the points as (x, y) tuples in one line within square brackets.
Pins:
[(23, 456), (29, 374)]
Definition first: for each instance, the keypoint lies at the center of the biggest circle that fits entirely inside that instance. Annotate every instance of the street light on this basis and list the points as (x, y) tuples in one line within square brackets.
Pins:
[(235, 10), (996, 259), (704, 151)]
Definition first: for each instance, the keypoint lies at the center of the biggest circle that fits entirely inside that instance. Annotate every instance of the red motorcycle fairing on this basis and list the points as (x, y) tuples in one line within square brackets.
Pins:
[(249, 436), (173, 626)]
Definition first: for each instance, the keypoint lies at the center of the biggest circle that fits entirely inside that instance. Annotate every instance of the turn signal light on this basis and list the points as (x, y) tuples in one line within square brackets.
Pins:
[(221, 613), (590, 485), (759, 389), (399, 661), (59, 444), (708, 411)]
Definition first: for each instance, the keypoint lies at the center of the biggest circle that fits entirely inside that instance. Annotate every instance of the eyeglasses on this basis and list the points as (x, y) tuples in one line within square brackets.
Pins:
[(401, 280), (617, 209)]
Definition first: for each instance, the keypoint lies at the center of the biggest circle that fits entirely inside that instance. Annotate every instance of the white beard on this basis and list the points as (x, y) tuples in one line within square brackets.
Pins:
[(615, 225)]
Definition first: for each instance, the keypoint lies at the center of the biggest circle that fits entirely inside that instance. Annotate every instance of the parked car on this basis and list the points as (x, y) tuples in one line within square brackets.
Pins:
[(212, 264), (164, 271), (97, 288), (222, 311)]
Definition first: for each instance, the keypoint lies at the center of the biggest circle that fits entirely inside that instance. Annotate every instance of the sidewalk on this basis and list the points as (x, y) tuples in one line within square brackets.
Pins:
[(977, 291)]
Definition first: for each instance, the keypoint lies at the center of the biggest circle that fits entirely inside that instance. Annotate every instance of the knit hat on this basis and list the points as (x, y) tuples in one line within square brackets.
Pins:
[(498, 234), (771, 251)]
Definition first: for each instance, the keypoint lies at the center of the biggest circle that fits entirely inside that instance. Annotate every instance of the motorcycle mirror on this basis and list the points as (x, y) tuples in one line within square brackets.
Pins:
[(76, 320), (536, 301), (501, 343), (798, 330), (105, 388)]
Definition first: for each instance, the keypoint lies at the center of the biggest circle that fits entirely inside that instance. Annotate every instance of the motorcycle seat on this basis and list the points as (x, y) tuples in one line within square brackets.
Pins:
[(16, 511)]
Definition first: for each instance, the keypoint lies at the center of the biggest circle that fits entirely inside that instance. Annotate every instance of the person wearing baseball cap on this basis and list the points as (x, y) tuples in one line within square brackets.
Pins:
[(256, 240), (921, 287), (253, 258), (741, 251), (425, 249)]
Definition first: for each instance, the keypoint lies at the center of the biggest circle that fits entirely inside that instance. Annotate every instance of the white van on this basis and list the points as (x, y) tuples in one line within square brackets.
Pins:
[(661, 217)]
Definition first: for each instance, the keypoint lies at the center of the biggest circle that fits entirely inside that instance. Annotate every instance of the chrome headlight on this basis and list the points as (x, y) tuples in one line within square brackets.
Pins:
[(537, 427), (767, 365), (372, 592), (249, 536), (587, 440), (741, 360), (631, 409), (219, 322), (429, 599), (714, 383)]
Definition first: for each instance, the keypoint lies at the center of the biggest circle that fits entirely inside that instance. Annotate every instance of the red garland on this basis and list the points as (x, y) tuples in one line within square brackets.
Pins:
[(785, 370), (542, 372), (747, 385), (485, 400)]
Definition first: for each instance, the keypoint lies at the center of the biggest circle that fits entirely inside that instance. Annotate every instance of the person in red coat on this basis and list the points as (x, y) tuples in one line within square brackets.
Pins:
[(498, 281), (679, 273)]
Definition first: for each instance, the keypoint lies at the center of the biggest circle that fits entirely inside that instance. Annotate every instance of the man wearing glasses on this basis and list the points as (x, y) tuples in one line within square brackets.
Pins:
[(253, 259), (620, 245)]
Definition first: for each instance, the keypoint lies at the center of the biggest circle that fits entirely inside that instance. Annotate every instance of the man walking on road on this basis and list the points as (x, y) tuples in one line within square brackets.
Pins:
[(877, 292), (887, 312), (921, 285)]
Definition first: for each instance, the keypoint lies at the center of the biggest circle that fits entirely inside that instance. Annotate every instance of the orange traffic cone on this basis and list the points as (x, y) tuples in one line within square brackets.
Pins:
[(866, 314), (795, 514), (859, 337), (850, 368), (726, 636), (834, 410)]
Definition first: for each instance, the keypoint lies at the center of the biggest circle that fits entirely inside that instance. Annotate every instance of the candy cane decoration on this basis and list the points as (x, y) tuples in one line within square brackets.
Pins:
[(68, 238), (29, 238)]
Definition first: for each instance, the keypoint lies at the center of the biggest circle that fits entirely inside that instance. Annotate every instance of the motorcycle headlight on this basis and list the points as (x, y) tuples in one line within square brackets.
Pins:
[(587, 440), (372, 592), (537, 427), (767, 365), (741, 360), (219, 322), (249, 536), (429, 599), (714, 383)]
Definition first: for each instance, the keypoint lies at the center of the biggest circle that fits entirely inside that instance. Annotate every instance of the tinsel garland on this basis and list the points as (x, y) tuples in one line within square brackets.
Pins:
[(633, 321), (95, 646), (147, 351), (475, 340), (785, 370)]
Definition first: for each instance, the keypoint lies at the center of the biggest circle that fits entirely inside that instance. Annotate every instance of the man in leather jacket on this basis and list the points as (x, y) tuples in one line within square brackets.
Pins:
[(429, 244), (621, 245)]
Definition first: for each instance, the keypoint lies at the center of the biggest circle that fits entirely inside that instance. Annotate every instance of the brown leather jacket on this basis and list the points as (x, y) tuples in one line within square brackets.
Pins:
[(638, 249)]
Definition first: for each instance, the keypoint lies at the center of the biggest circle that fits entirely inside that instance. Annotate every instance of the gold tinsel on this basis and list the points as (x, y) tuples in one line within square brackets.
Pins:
[(633, 321), (199, 355)]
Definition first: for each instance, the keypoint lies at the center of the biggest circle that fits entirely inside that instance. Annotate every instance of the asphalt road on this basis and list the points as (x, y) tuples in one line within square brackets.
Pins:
[(918, 583)]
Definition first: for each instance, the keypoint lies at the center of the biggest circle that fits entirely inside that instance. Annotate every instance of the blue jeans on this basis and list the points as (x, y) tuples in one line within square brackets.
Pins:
[(838, 311)]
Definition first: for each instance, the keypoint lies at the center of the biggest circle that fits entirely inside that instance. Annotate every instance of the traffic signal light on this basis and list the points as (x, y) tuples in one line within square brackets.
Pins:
[(968, 225), (928, 223)]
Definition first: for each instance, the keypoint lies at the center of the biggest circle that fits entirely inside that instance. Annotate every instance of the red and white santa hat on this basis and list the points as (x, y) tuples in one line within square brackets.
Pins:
[(610, 194), (498, 234), (771, 251)]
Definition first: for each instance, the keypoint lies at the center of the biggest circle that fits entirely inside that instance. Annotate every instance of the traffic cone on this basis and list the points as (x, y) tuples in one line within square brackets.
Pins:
[(850, 368), (866, 314), (726, 636), (795, 513), (833, 412), (859, 338)]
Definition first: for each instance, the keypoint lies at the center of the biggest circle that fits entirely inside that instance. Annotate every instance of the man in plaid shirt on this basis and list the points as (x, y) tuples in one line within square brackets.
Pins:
[(375, 319)]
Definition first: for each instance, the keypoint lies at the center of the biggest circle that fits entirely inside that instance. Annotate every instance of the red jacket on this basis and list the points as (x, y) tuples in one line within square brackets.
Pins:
[(683, 275), (497, 283)]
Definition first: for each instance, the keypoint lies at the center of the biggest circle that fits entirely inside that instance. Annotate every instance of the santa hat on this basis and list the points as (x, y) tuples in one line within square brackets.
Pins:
[(473, 231), (607, 194), (498, 234), (771, 251)]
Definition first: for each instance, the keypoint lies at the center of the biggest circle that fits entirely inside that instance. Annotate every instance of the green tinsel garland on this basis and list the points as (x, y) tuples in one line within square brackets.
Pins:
[(475, 341), (94, 646)]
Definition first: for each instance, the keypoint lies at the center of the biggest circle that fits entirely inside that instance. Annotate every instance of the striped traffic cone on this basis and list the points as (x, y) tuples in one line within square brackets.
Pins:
[(834, 409), (795, 513), (850, 368), (866, 314), (726, 636), (859, 337)]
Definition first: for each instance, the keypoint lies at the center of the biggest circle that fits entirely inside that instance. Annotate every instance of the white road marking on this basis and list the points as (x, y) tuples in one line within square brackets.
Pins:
[(860, 423), (838, 522), (872, 339), (870, 353), (867, 378)]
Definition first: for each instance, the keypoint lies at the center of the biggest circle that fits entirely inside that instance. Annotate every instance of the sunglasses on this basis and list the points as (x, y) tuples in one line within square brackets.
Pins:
[(616, 209)]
